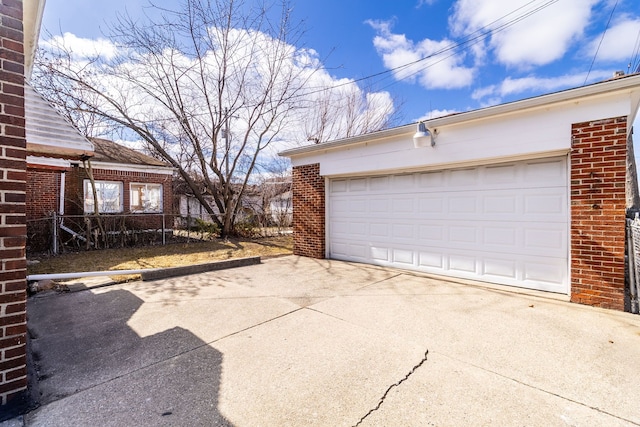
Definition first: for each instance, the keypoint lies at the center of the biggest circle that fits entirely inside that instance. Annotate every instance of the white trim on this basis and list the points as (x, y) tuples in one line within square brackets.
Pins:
[(160, 170), (569, 224), (48, 161), (457, 165), (146, 184), (327, 226), (101, 181), (629, 85)]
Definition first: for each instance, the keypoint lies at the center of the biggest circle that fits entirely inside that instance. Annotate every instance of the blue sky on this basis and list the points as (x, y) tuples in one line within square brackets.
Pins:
[(544, 46)]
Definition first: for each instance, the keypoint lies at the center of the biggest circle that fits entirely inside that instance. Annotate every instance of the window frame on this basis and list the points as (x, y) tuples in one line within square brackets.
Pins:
[(140, 208), (88, 196)]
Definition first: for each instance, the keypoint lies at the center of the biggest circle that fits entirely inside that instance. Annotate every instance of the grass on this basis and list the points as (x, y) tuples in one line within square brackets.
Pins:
[(173, 255)]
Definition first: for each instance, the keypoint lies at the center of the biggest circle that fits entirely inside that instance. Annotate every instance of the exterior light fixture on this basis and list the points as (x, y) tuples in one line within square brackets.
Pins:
[(424, 136)]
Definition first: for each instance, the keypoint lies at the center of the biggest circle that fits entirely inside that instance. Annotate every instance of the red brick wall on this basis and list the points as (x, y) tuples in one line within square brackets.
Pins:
[(13, 328), (598, 170), (74, 191), (43, 193), (308, 211)]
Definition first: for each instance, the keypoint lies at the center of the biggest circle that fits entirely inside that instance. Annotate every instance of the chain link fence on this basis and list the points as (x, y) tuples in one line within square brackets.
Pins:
[(633, 262), (63, 233)]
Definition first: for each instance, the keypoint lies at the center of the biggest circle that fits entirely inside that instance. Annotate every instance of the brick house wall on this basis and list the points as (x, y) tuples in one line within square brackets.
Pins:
[(43, 192), (75, 192), (598, 173), (42, 198), (308, 211), (13, 327)]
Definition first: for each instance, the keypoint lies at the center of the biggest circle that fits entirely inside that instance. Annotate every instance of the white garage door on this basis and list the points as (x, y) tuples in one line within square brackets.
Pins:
[(502, 223)]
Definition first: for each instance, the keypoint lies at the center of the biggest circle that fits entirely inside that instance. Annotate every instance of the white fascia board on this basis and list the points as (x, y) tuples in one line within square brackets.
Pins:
[(521, 134), (626, 88), (133, 168), (32, 11), (48, 161)]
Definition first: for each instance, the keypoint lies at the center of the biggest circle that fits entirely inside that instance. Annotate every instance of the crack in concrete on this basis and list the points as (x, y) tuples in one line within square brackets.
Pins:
[(534, 387), (384, 396)]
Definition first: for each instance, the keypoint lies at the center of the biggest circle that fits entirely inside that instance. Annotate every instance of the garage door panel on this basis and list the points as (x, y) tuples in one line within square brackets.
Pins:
[(462, 263), (431, 233), (380, 253), (545, 204), (338, 186), (403, 205), (499, 267), (540, 173), (381, 183), (493, 223), (431, 180), (463, 234), (431, 205), (431, 260), (403, 232), (402, 256)]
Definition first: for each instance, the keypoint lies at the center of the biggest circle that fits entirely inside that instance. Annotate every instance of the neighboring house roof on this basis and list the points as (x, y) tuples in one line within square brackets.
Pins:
[(48, 132), (110, 155), (109, 151)]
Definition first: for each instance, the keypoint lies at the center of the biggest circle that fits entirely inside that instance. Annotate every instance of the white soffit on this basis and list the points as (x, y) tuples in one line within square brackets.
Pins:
[(48, 161), (46, 127), (132, 168)]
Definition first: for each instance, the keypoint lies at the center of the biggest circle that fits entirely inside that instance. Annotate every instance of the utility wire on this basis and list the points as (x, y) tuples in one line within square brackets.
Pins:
[(634, 64), (473, 38), (600, 43)]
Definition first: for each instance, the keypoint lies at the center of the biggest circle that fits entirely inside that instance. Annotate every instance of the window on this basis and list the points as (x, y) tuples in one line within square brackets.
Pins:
[(146, 197), (109, 196)]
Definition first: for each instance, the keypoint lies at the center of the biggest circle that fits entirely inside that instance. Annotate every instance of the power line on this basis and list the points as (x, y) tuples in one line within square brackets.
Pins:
[(473, 38), (600, 43), (632, 67)]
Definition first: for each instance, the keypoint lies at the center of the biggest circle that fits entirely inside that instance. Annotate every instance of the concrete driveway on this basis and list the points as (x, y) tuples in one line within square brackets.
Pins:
[(300, 342)]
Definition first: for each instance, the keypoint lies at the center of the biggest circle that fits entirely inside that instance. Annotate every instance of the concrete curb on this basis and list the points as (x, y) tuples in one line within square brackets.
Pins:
[(165, 273)]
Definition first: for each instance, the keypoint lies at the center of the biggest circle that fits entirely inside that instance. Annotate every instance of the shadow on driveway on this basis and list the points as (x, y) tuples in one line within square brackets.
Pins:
[(96, 364)]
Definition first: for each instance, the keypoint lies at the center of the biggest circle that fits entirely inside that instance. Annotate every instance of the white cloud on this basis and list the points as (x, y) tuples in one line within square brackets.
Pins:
[(618, 43), (443, 68), (516, 86), (540, 38), (425, 3), (352, 108), (82, 48), (433, 114)]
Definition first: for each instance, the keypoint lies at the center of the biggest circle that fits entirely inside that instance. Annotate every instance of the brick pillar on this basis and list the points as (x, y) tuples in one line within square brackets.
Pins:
[(598, 170), (308, 211), (13, 328)]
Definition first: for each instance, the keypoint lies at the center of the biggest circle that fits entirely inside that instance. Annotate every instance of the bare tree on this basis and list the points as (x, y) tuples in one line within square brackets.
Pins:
[(208, 88), (347, 111)]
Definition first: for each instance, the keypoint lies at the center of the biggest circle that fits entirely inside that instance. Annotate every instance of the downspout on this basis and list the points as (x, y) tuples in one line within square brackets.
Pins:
[(62, 182), (61, 212)]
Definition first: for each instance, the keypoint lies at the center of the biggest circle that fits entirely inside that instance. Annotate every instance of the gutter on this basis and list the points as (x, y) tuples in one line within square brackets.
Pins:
[(630, 83)]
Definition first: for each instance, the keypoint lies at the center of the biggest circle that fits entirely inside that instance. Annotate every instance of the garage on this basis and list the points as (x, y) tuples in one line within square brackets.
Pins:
[(503, 223), (528, 194)]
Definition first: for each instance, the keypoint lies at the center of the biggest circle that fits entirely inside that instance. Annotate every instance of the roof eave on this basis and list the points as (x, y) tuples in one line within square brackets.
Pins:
[(601, 88)]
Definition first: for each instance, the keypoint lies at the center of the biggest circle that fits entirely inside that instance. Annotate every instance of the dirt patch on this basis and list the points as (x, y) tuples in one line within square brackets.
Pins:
[(174, 255)]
